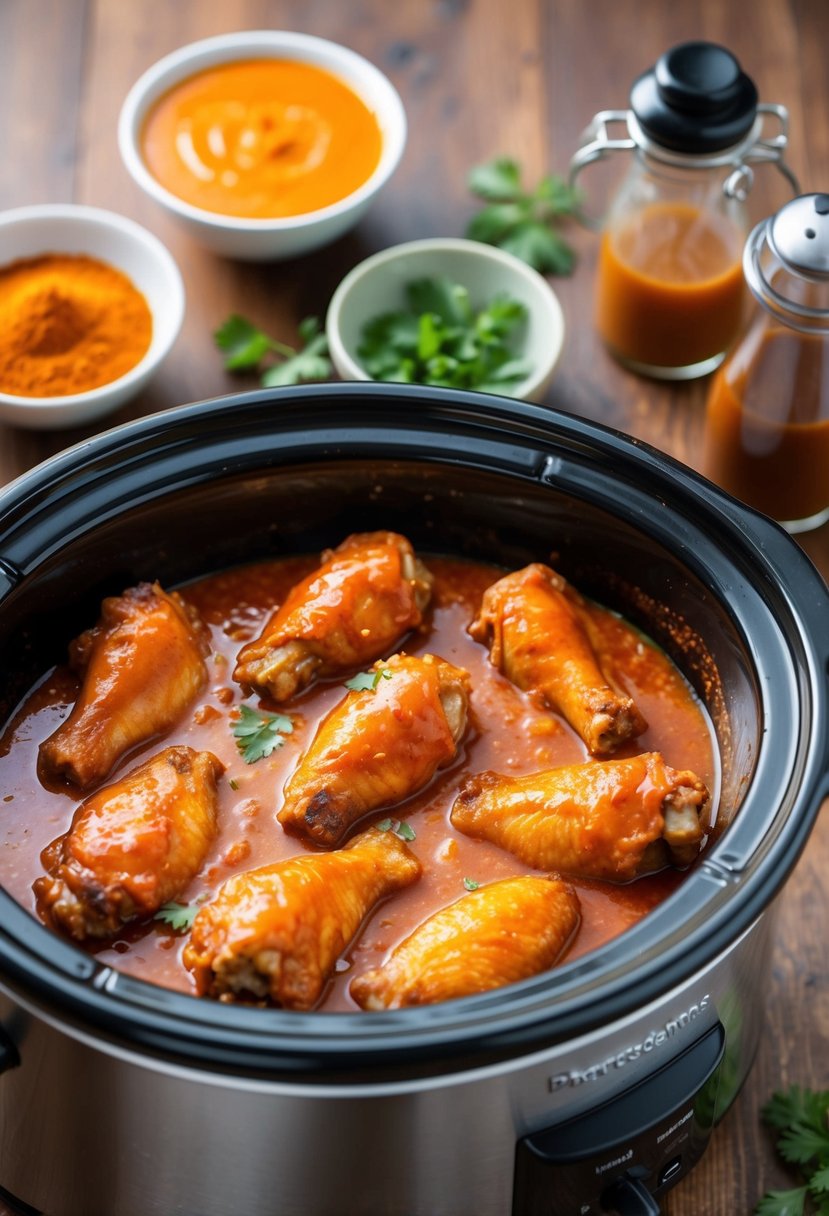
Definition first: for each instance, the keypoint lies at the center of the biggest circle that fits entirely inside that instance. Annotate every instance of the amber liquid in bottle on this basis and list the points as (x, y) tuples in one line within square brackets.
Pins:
[(670, 288), (767, 426)]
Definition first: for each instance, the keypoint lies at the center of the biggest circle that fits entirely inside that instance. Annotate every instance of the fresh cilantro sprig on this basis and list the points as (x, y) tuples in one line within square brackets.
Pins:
[(368, 679), (802, 1117), (400, 828), (524, 222), (258, 733), (178, 916), (247, 348), (441, 339)]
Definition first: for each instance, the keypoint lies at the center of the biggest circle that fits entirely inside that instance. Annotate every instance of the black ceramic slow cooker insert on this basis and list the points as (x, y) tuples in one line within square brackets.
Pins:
[(594, 1085)]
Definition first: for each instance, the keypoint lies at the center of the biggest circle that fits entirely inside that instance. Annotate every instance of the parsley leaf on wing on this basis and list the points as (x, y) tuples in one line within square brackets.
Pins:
[(523, 222), (441, 339), (258, 732), (801, 1115), (368, 679), (247, 348)]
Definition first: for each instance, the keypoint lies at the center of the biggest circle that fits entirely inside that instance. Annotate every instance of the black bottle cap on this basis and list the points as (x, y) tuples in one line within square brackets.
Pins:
[(696, 99)]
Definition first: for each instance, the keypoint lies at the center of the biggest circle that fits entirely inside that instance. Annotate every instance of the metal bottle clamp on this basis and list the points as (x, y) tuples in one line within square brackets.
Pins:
[(597, 143)]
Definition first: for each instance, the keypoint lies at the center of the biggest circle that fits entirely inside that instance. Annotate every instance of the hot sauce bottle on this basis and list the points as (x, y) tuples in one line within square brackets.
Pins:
[(669, 288), (766, 436)]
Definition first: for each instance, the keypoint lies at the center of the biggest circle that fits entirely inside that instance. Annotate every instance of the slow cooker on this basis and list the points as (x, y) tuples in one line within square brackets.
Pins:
[(593, 1088)]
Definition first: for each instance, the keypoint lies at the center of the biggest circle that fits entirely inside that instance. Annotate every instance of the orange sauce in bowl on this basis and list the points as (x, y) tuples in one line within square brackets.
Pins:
[(670, 286), (261, 139)]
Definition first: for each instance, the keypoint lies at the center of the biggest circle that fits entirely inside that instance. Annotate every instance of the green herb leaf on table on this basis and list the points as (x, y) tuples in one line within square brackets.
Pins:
[(258, 732), (247, 348), (783, 1203), (523, 222), (177, 916), (368, 679), (801, 1115), (442, 340), (497, 180)]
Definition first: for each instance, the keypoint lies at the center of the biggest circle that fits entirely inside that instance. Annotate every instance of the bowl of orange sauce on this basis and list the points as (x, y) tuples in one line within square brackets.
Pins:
[(263, 144)]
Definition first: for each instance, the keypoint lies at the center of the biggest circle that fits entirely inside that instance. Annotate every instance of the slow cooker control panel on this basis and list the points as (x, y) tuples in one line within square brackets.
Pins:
[(621, 1156)]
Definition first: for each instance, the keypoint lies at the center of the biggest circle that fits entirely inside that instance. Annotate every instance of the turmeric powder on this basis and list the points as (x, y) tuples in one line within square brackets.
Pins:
[(68, 323)]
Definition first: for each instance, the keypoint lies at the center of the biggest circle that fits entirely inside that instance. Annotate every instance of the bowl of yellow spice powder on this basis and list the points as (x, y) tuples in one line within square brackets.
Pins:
[(90, 305)]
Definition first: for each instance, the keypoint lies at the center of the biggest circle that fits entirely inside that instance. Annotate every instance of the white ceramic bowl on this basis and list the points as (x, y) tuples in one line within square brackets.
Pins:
[(265, 239), (377, 286), (27, 232)]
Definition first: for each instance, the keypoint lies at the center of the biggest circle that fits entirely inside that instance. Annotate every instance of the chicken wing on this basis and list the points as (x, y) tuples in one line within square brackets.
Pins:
[(538, 636), (276, 932), (141, 666), (133, 845), (499, 934), (378, 746), (367, 594), (611, 819)]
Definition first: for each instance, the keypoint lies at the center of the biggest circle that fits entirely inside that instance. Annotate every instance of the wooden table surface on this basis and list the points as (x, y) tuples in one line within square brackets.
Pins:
[(478, 78)]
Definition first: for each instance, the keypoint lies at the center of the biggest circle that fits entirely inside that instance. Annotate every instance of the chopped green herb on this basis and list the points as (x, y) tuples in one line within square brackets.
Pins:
[(801, 1115), (178, 916), (234, 784), (368, 679), (470, 884), (442, 339), (404, 830), (258, 733), (520, 221), (247, 348)]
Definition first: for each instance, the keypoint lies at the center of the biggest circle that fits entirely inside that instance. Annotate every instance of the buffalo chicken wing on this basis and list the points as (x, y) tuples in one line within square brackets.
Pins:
[(367, 594), (380, 745), (611, 819), (141, 666), (277, 932), (133, 845), (536, 627), (499, 934)]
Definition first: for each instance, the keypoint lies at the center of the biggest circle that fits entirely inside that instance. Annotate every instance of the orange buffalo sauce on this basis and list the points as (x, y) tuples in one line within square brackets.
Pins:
[(670, 286), (261, 139), (510, 732), (767, 426)]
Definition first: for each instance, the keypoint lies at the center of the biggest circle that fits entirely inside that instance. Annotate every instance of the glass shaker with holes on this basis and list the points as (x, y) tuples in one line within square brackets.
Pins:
[(669, 288), (766, 437)]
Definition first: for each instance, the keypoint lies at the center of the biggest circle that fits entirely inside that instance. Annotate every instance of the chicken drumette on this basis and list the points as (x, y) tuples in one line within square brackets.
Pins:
[(611, 819), (133, 845), (538, 633), (276, 932), (499, 934), (141, 666), (367, 594), (378, 746)]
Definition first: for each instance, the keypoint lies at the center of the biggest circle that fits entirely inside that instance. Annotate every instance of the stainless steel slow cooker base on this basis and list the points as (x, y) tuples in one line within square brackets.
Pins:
[(120, 1097), (112, 1132)]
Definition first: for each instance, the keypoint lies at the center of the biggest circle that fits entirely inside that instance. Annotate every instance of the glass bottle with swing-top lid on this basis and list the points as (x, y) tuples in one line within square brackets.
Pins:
[(670, 292)]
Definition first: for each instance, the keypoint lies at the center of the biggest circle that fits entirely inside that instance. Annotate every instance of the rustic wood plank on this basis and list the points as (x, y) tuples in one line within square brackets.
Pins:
[(478, 78)]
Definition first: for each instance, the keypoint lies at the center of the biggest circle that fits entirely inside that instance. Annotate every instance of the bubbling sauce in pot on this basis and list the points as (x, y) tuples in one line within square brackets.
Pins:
[(508, 732)]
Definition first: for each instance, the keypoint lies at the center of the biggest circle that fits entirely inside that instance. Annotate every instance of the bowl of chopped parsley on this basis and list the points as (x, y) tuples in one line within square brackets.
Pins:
[(451, 313)]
